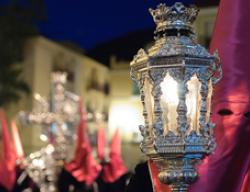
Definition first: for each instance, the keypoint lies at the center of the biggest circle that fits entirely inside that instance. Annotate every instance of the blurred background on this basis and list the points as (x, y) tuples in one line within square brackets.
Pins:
[(94, 42)]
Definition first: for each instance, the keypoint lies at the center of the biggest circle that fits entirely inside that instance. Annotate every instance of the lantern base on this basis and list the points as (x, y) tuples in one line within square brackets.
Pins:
[(179, 173), (179, 188)]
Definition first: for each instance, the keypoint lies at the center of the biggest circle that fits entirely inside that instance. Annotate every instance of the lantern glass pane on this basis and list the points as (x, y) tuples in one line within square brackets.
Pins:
[(193, 100), (169, 103), (209, 98), (149, 100)]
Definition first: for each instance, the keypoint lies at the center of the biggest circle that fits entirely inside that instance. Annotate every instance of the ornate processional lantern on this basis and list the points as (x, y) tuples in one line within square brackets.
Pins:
[(176, 78)]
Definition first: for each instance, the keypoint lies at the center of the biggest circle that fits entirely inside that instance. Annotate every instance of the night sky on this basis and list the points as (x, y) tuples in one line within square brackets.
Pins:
[(88, 23)]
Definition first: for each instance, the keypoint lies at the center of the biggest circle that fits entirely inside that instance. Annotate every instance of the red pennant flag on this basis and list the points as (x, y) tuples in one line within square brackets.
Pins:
[(81, 134), (8, 161), (92, 167), (228, 167), (80, 151), (75, 167), (115, 168), (101, 142), (87, 169), (83, 167), (17, 141)]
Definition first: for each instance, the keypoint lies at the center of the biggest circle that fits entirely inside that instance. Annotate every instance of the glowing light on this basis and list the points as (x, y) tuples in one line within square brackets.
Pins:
[(169, 102), (170, 91), (193, 99), (126, 116), (50, 149), (44, 138)]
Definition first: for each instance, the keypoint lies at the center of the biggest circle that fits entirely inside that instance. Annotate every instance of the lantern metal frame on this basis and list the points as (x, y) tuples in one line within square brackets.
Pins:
[(177, 54)]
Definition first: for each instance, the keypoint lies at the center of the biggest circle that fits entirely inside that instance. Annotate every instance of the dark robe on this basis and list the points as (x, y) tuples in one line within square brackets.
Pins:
[(24, 182), (66, 183), (117, 186), (141, 180), (3, 189)]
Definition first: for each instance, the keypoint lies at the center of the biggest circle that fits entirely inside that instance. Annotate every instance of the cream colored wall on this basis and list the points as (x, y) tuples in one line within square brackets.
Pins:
[(124, 105), (205, 22), (121, 84), (98, 100), (125, 112)]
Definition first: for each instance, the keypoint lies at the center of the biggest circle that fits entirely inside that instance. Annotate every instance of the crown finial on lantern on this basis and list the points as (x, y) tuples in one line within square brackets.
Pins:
[(177, 16)]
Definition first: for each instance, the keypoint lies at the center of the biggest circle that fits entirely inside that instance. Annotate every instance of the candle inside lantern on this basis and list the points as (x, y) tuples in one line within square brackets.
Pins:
[(193, 99), (169, 102)]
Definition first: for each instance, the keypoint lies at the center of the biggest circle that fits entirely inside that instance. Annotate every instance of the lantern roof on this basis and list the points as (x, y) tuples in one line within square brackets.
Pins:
[(175, 37), (177, 16)]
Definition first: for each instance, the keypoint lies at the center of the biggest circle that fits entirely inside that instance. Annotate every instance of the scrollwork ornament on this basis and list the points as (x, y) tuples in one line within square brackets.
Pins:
[(217, 78), (217, 75)]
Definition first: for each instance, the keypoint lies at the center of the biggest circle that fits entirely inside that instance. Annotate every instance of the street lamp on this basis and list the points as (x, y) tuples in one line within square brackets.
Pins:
[(176, 77)]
